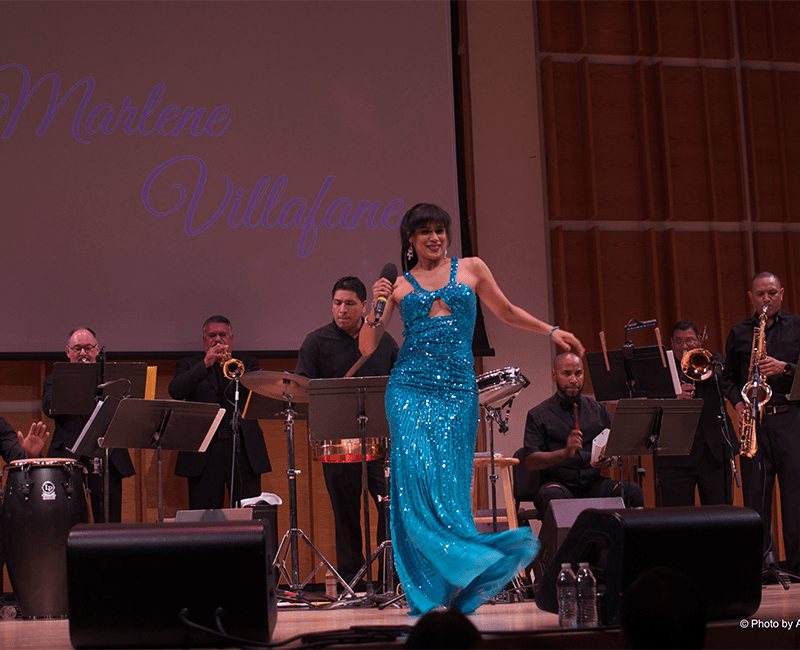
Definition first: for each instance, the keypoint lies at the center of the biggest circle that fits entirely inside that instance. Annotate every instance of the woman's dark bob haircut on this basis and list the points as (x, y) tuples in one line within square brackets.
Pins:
[(420, 215)]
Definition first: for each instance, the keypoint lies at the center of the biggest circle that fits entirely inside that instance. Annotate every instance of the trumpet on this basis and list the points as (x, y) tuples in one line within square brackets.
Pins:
[(697, 364), (755, 392), (231, 368)]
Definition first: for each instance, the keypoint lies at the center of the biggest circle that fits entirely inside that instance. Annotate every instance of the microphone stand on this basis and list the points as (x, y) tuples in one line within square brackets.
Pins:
[(723, 424), (235, 430), (106, 461)]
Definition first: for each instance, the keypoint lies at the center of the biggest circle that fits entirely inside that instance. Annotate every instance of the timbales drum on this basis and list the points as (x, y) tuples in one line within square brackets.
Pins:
[(43, 499), (346, 450), (496, 387)]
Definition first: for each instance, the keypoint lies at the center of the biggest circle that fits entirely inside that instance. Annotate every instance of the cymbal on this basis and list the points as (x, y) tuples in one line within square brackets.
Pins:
[(282, 386)]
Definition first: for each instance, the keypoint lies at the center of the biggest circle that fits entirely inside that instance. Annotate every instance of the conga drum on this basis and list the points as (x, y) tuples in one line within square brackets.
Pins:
[(43, 499)]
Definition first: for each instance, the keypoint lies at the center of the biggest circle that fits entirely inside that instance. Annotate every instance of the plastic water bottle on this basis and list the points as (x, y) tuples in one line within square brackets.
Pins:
[(587, 596), (567, 597)]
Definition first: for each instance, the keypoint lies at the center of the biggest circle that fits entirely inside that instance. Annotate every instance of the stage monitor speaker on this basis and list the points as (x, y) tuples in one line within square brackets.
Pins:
[(557, 521), (128, 584), (718, 546)]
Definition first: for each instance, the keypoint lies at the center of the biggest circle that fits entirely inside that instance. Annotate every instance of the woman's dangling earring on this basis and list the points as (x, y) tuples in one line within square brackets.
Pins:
[(410, 252)]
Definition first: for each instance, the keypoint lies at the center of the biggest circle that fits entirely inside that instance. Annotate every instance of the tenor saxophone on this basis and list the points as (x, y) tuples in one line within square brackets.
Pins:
[(756, 392)]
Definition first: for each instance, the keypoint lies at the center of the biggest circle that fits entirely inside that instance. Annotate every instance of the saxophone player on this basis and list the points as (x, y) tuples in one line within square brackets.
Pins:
[(777, 428)]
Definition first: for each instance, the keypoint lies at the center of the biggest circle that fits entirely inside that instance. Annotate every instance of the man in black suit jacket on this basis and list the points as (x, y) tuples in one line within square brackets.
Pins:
[(199, 378), (82, 348), (708, 465)]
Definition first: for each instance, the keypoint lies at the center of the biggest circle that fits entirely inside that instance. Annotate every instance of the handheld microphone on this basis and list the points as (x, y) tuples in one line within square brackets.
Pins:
[(390, 273)]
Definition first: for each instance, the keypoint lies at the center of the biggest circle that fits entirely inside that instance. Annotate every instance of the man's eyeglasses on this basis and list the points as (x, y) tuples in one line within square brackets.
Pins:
[(82, 348)]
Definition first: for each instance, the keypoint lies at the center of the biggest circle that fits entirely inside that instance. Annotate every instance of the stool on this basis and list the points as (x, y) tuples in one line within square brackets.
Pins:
[(502, 466)]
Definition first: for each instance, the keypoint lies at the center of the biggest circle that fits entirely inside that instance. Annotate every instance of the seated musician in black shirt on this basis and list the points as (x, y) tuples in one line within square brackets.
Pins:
[(558, 441)]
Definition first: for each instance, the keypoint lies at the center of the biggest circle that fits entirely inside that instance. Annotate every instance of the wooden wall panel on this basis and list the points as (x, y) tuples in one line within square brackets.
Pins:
[(725, 141), (617, 152), (774, 252), (790, 137), (786, 24), (611, 27), (573, 196), (755, 24), (562, 25), (688, 154), (575, 291), (681, 33)]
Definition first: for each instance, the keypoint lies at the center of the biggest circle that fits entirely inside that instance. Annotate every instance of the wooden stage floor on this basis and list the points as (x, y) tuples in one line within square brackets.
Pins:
[(506, 625)]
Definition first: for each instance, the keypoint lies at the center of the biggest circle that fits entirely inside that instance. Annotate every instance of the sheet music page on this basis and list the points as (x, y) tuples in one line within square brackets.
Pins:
[(212, 430), (673, 371)]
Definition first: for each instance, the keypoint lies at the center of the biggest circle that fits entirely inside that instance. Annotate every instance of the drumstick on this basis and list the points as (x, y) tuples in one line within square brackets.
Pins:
[(359, 362), (705, 334), (661, 348), (577, 417), (605, 350)]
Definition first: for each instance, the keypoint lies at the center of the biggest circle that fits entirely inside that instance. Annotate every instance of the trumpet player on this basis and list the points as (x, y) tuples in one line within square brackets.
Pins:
[(200, 378), (774, 360), (707, 468)]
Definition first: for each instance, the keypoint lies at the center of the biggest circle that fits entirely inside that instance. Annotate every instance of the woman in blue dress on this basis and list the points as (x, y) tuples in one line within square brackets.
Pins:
[(432, 409)]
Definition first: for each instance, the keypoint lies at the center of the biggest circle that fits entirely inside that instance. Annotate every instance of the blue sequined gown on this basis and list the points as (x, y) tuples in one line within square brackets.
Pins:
[(432, 409)]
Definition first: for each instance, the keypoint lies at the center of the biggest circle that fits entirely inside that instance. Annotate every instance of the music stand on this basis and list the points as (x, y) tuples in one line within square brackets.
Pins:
[(336, 408), (75, 384), (78, 386), (794, 394), (665, 426), (633, 372), (152, 424)]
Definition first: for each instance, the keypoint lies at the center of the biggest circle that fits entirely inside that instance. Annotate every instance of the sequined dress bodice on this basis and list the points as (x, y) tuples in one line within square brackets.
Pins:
[(437, 348)]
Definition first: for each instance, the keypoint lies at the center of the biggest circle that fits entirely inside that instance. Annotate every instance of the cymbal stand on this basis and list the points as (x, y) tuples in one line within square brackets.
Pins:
[(290, 541), (495, 414)]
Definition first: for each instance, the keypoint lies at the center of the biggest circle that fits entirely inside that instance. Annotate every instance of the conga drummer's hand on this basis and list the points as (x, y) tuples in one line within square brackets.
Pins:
[(568, 341), (33, 443)]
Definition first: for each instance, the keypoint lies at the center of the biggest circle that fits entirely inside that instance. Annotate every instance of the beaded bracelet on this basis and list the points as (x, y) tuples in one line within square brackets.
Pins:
[(550, 333)]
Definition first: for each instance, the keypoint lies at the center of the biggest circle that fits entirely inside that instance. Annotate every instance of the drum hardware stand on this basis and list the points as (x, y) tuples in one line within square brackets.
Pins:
[(495, 414), (385, 548), (291, 537)]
